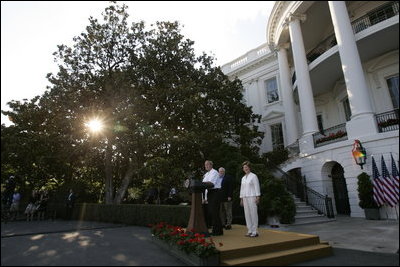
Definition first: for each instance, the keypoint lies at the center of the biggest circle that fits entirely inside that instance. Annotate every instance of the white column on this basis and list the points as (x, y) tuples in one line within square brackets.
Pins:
[(362, 120), (287, 96), (306, 98)]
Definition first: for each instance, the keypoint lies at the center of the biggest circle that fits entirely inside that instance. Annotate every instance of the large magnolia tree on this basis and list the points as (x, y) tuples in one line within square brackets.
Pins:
[(159, 102)]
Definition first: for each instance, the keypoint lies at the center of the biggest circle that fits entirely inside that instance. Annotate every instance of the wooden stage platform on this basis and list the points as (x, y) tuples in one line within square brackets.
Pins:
[(270, 248)]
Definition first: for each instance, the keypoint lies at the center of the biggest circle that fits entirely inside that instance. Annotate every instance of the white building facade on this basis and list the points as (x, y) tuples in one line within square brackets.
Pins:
[(327, 76)]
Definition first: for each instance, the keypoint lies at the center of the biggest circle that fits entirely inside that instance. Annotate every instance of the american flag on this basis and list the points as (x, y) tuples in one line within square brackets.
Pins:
[(378, 192), (389, 189), (395, 175)]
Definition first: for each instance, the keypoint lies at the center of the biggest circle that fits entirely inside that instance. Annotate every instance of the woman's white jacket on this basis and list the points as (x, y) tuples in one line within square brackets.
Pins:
[(250, 186)]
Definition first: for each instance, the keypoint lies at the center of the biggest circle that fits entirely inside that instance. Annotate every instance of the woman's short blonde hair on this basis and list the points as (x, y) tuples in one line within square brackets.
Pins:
[(209, 161), (247, 163)]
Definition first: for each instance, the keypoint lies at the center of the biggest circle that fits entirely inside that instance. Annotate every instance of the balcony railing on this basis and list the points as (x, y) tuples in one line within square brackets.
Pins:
[(388, 121), (321, 48), (331, 135), (373, 17)]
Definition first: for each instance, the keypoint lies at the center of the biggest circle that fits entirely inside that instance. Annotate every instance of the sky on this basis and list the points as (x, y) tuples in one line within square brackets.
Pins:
[(31, 31)]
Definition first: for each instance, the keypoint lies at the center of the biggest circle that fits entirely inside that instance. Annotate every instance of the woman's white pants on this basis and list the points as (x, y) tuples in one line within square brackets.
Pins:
[(251, 215)]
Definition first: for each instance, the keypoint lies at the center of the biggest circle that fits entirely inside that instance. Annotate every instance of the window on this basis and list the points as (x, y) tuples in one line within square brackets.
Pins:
[(393, 84), (346, 107), (272, 90), (320, 124), (293, 78), (277, 136)]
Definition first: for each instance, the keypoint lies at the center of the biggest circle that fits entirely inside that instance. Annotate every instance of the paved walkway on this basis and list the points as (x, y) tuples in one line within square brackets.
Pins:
[(356, 242), (353, 233), (73, 243)]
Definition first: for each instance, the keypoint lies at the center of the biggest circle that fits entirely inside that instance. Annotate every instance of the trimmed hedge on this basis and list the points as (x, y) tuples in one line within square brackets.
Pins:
[(131, 214)]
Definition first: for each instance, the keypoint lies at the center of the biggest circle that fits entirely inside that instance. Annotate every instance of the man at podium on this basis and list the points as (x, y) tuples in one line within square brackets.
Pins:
[(213, 197)]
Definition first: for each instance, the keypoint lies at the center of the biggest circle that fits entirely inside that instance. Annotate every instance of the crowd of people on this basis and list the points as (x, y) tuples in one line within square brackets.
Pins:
[(37, 203)]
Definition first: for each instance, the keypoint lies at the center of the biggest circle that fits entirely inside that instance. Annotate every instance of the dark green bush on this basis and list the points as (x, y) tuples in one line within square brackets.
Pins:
[(275, 157), (365, 192), (131, 214), (276, 201)]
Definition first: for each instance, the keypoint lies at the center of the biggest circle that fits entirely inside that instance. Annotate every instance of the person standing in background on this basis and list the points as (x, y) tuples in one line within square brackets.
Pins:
[(14, 209), (70, 203), (226, 199)]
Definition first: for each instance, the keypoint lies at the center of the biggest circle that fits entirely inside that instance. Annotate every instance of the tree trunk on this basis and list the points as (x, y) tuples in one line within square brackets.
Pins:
[(125, 183), (109, 177)]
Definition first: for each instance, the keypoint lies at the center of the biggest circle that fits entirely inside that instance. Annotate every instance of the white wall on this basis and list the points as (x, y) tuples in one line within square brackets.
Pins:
[(316, 168)]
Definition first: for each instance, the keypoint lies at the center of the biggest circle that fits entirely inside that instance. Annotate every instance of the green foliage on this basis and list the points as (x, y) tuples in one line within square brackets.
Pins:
[(275, 157), (134, 194), (159, 173), (365, 192), (276, 201), (160, 103)]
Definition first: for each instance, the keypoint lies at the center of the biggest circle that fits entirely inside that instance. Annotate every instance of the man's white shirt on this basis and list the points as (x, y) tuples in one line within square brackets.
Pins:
[(212, 176)]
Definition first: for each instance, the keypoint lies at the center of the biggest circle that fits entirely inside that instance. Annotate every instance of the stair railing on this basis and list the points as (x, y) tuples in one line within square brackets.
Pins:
[(298, 187)]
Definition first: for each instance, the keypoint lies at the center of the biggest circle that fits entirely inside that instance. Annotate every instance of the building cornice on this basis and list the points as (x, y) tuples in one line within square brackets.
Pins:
[(249, 61), (274, 20), (282, 12), (253, 65)]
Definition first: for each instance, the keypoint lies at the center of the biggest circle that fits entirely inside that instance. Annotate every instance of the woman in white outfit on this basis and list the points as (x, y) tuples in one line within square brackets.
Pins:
[(249, 199)]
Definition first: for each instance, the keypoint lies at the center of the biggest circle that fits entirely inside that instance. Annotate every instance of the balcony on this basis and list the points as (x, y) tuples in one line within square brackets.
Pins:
[(388, 121), (331, 135), (373, 17)]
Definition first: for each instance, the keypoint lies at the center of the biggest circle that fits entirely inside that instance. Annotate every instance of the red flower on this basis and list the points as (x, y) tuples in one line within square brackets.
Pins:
[(188, 241)]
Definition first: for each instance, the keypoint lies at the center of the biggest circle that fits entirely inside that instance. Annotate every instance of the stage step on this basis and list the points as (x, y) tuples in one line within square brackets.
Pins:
[(285, 257), (272, 247)]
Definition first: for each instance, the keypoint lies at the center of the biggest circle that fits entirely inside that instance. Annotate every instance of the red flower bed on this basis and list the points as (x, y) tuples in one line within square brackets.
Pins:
[(188, 241), (331, 136)]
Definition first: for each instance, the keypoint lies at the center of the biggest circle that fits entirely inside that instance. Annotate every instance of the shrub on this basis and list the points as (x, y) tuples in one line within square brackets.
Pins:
[(131, 214), (275, 157), (276, 200), (365, 192)]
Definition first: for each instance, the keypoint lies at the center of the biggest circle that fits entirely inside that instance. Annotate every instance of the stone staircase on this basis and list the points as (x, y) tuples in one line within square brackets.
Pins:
[(306, 214)]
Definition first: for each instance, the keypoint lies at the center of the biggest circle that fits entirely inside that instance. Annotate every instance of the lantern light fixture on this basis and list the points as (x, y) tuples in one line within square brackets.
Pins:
[(359, 153)]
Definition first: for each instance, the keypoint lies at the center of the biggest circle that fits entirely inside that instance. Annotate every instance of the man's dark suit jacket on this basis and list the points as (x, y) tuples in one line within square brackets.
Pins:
[(227, 187)]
